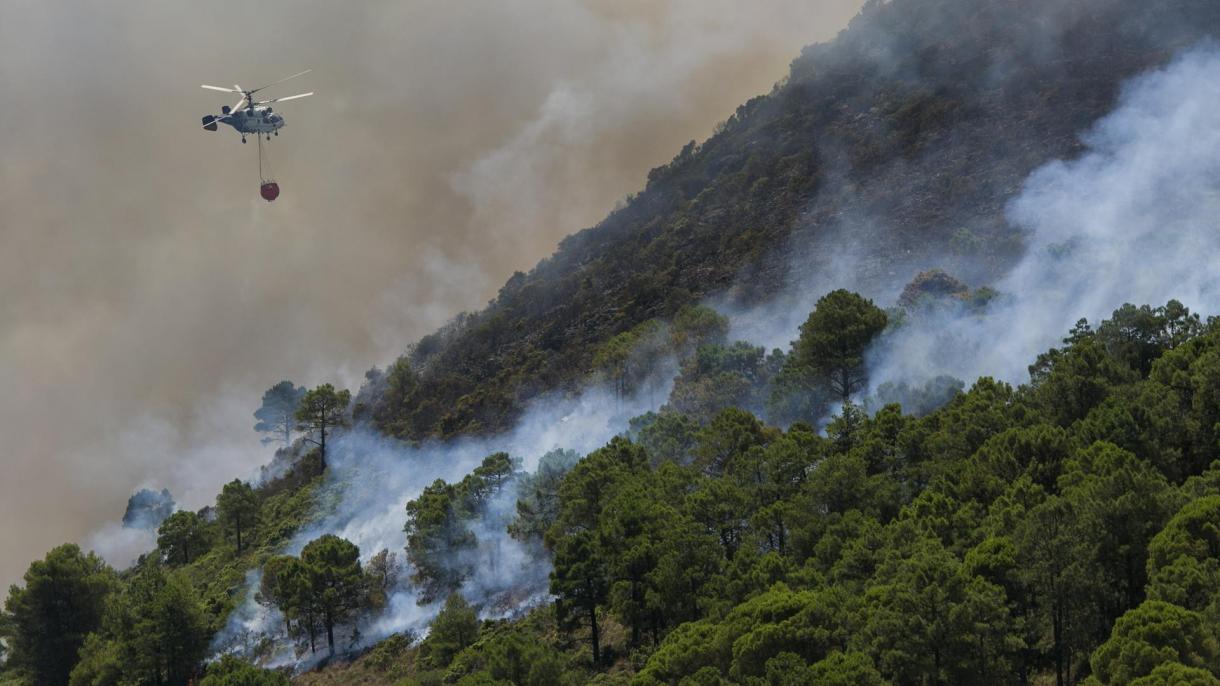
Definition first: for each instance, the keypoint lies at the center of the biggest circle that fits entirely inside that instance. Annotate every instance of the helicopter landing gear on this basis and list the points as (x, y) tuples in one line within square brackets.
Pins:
[(243, 139), (277, 133)]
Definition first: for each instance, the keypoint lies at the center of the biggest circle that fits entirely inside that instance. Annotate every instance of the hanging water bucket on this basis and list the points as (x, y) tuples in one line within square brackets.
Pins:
[(270, 190)]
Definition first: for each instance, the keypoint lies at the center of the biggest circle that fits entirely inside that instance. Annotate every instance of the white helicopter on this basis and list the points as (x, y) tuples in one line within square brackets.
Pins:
[(256, 117)]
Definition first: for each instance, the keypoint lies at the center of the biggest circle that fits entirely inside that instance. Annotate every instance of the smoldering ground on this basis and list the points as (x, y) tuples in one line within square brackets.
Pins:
[(150, 295)]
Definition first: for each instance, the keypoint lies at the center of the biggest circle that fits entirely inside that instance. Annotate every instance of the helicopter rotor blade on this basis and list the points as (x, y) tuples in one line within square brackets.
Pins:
[(290, 97), (218, 88), (281, 80)]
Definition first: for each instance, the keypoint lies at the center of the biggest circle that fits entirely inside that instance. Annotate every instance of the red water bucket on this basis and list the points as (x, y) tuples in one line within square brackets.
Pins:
[(269, 190)]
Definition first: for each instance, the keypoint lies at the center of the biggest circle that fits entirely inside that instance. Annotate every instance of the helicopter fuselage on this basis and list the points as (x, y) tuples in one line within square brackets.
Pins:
[(253, 120)]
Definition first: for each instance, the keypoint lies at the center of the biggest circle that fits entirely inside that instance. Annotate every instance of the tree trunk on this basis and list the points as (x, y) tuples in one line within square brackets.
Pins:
[(779, 533), (1057, 629), (637, 600), (936, 666), (982, 657), (597, 654), (322, 445)]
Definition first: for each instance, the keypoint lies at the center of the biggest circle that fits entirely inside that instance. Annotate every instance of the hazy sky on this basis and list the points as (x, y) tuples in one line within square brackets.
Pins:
[(150, 295)]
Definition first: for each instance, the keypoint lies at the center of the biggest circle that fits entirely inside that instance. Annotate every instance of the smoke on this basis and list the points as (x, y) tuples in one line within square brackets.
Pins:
[(1135, 219), (839, 257), (119, 545), (371, 477), (151, 296), (146, 508)]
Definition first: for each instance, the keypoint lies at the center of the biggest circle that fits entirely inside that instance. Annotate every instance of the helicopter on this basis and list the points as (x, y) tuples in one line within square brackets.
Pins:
[(257, 117)]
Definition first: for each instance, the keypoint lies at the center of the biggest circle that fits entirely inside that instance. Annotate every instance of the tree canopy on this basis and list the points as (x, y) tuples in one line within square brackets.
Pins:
[(336, 582), (62, 600), (322, 410), (237, 509), (182, 537), (276, 415)]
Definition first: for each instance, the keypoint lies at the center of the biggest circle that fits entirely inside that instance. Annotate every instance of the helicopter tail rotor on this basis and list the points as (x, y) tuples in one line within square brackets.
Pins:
[(209, 122)]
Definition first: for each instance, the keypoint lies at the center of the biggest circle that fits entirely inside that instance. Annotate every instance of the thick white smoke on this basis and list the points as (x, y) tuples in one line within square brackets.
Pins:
[(371, 477), (1134, 219), (119, 545), (837, 262)]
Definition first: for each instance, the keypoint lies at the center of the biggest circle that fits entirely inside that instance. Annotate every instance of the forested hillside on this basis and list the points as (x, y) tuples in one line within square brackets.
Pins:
[(594, 481), (1061, 531), (905, 137), (1058, 532)]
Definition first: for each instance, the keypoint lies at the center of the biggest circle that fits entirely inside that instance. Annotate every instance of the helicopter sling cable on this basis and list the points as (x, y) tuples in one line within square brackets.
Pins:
[(268, 188)]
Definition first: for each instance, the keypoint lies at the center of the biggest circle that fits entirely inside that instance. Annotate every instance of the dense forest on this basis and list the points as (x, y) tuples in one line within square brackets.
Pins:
[(777, 518), (1067, 530)]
